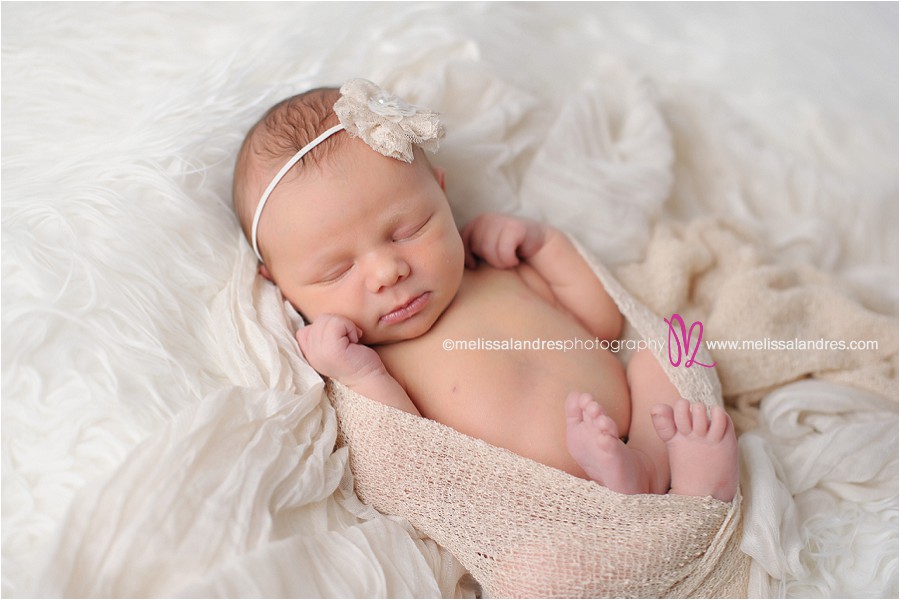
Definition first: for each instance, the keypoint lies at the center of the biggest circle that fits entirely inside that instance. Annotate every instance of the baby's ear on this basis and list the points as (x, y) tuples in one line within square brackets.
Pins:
[(264, 272), (440, 175)]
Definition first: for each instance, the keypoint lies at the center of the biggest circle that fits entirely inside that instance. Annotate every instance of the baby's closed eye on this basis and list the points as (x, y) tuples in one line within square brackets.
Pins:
[(334, 274), (411, 231)]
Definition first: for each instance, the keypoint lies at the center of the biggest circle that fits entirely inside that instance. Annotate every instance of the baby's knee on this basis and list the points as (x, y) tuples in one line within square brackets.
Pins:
[(648, 380), (641, 363)]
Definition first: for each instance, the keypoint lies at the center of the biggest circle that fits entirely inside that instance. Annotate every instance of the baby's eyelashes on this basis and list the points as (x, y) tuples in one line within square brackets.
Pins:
[(408, 233), (334, 274)]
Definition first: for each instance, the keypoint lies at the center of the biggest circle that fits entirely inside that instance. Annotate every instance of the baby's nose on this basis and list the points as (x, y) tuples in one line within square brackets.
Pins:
[(385, 270)]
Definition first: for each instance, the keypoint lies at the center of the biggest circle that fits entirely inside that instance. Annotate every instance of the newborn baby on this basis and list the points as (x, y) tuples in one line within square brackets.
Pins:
[(351, 222)]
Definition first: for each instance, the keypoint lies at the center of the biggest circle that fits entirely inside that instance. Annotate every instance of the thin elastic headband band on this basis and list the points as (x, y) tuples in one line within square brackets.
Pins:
[(287, 167)]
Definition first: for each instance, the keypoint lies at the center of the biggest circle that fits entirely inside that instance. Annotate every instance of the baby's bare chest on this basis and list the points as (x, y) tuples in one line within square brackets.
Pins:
[(501, 360)]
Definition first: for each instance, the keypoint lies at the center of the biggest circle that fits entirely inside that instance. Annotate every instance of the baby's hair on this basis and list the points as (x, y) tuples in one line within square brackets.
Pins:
[(279, 134)]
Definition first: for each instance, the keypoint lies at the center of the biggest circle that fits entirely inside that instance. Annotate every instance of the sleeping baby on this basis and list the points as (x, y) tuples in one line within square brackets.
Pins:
[(351, 222)]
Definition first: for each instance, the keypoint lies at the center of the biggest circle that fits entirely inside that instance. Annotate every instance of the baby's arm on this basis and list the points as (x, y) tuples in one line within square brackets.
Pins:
[(504, 241), (331, 346)]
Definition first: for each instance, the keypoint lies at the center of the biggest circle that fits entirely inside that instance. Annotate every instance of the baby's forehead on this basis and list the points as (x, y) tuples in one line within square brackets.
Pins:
[(323, 203), (354, 188)]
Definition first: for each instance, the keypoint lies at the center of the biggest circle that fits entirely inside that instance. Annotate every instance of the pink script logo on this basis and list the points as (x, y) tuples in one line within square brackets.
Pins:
[(684, 342)]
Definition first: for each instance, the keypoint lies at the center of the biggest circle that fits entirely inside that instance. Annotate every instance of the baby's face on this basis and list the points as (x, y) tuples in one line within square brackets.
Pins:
[(366, 237)]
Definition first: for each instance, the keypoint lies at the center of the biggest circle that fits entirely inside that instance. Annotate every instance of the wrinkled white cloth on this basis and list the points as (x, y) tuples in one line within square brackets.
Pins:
[(243, 494), (820, 476), (240, 496)]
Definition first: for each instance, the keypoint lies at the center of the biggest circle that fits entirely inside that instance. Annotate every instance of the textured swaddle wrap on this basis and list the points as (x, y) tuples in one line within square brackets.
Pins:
[(524, 529)]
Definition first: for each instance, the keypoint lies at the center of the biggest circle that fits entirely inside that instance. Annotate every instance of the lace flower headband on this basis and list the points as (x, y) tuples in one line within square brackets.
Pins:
[(388, 124)]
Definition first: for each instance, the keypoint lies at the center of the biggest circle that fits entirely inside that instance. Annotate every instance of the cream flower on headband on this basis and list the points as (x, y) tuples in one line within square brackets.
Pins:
[(385, 122)]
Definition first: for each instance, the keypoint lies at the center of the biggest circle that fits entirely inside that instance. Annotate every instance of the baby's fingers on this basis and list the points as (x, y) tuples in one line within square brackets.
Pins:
[(494, 238), (509, 240), (335, 328), (339, 327), (326, 333)]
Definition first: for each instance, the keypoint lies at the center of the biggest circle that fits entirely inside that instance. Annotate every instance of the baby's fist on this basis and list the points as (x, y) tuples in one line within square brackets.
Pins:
[(502, 240), (331, 346)]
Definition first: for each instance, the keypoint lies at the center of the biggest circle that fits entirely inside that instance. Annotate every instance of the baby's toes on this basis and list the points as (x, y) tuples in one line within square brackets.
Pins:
[(664, 421), (719, 424), (683, 421), (574, 411), (592, 410), (699, 419), (603, 425)]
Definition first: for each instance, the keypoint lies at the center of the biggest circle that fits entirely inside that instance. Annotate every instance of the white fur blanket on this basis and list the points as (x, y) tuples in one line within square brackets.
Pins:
[(161, 437)]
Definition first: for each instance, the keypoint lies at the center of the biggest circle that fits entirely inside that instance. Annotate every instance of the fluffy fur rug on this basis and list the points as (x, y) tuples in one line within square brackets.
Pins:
[(145, 370)]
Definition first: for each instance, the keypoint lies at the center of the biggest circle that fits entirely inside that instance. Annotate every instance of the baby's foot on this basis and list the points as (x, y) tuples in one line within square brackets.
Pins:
[(703, 450), (593, 441)]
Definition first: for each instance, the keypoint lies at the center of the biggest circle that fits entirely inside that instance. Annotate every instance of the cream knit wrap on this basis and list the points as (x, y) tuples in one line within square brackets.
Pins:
[(523, 529)]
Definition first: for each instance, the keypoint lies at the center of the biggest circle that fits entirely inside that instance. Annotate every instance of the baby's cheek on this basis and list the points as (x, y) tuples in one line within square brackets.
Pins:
[(451, 247), (308, 306), (349, 306), (457, 262)]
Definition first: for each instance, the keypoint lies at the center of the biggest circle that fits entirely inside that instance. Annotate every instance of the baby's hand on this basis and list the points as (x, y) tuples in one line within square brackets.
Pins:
[(331, 346), (502, 240)]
